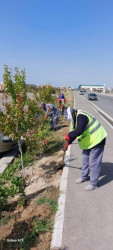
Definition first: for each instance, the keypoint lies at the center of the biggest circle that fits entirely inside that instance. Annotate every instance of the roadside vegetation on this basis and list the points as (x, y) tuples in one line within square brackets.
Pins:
[(27, 217)]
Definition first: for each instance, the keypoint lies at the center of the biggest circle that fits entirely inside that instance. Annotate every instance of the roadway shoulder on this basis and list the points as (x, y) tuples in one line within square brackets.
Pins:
[(7, 159)]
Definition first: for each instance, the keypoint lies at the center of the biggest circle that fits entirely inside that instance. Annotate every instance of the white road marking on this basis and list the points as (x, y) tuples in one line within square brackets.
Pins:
[(96, 109)]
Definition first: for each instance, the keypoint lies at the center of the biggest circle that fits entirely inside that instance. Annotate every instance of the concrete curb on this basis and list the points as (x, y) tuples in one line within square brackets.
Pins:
[(59, 218), (56, 242)]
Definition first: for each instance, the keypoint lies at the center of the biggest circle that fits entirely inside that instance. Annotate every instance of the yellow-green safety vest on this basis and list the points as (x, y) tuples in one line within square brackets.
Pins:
[(93, 134)]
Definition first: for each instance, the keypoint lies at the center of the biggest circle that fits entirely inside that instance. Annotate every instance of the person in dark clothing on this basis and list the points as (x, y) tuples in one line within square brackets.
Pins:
[(52, 112), (63, 106), (91, 138), (62, 96)]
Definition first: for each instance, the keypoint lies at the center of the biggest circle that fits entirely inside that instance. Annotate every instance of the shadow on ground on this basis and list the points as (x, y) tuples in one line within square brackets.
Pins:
[(50, 169), (15, 238), (12, 206), (106, 173)]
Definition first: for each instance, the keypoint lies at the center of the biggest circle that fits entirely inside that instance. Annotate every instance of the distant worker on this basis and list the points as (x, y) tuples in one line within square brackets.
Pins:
[(91, 138), (53, 113), (62, 102), (63, 106), (61, 96)]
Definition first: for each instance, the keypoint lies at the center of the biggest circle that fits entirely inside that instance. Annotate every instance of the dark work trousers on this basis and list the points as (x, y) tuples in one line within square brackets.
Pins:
[(91, 163), (53, 121), (65, 112)]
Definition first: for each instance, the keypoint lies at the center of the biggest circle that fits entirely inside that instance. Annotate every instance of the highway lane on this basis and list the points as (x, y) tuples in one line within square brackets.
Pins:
[(30, 95), (104, 102), (88, 217)]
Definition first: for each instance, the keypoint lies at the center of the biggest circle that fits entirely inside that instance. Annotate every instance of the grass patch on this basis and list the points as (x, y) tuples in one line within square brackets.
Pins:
[(54, 146), (39, 226), (43, 225), (51, 203), (4, 220), (30, 240)]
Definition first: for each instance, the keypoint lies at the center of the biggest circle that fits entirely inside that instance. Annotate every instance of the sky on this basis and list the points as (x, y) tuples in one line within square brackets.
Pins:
[(58, 42)]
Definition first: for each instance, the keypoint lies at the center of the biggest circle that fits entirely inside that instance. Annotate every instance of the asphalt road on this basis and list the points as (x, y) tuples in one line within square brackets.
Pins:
[(88, 216), (30, 95), (1, 101), (104, 102)]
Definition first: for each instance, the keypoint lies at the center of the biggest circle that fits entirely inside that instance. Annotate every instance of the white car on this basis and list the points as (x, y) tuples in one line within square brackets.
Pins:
[(6, 143), (92, 96), (81, 92)]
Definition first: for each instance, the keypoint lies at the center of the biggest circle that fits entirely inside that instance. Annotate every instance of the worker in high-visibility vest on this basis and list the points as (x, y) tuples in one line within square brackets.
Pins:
[(91, 137)]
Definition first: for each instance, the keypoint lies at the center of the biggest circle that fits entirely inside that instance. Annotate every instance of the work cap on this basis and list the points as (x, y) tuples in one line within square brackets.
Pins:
[(72, 110), (42, 104)]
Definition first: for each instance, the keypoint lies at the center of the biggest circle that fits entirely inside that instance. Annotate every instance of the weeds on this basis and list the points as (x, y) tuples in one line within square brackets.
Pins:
[(43, 225), (12, 183), (31, 239), (4, 220), (39, 226), (51, 203)]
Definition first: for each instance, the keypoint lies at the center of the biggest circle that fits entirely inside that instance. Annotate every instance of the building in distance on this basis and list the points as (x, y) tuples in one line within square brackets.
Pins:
[(92, 88)]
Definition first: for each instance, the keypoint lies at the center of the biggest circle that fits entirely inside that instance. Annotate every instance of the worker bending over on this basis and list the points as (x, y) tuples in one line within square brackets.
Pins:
[(53, 113)]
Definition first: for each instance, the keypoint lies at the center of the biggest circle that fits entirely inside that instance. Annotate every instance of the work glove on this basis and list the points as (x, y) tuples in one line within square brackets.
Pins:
[(67, 138), (65, 147)]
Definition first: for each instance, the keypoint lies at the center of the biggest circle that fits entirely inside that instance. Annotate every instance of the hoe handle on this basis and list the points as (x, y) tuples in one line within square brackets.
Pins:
[(63, 157)]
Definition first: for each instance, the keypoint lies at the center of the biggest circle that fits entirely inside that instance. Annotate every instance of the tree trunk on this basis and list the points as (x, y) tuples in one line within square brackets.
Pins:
[(20, 149)]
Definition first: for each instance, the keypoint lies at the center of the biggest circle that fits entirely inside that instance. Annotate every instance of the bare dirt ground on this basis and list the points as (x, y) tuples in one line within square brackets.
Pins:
[(42, 180)]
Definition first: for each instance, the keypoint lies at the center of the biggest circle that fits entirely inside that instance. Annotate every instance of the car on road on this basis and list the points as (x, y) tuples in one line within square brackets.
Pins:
[(81, 92), (92, 96), (6, 143)]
